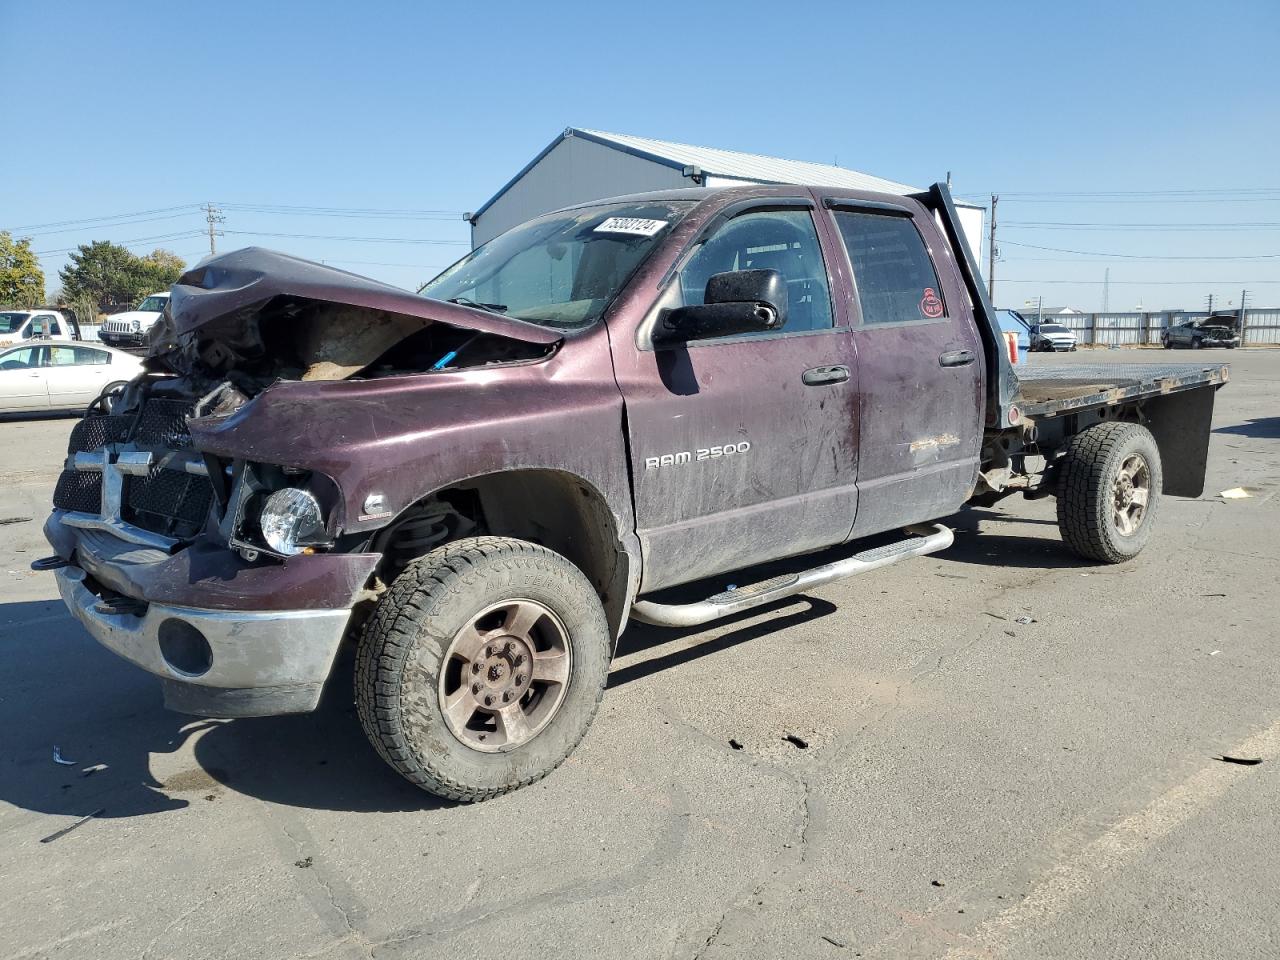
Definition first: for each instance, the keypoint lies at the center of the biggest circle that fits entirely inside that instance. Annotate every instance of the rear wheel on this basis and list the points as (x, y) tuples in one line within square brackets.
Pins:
[(482, 667), (1108, 491)]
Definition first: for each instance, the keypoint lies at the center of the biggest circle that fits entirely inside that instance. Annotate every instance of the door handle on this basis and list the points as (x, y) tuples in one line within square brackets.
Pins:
[(956, 358), (816, 376)]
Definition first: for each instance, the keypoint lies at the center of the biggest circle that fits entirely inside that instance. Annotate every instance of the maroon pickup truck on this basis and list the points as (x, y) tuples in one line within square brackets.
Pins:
[(479, 486)]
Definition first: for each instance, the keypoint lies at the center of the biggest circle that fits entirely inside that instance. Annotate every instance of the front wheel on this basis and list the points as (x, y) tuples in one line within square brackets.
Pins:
[(482, 667), (1108, 491)]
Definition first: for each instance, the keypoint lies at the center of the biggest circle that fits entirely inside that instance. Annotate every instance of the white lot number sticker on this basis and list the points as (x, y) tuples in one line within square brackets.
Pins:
[(635, 225)]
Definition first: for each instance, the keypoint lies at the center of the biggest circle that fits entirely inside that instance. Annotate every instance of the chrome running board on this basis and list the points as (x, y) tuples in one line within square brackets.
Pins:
[(929, 538)]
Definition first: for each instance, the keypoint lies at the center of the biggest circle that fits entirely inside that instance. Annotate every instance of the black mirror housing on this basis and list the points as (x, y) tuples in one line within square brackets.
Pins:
[(741, 301)]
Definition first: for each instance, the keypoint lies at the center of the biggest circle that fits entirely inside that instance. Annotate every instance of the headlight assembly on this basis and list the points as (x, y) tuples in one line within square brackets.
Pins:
[(137, 325), (291, 520)]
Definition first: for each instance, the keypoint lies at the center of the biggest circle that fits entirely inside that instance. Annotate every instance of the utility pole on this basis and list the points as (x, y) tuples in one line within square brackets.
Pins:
[(213, 215), (1243, 294), (1210, 309), (991, 253), (1106, 289)]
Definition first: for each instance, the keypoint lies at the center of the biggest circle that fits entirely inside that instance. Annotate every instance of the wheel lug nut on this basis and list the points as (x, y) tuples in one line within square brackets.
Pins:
[(488, 701), (519, 659), (477, 687), (506, 696), (476, 668), (519, 678)]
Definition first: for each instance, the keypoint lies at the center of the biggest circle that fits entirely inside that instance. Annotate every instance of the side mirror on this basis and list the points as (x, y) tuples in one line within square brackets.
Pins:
[(743, 301)]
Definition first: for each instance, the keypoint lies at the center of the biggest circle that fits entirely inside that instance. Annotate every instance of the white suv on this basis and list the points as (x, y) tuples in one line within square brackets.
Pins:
[(1052, 337), (130, 329)]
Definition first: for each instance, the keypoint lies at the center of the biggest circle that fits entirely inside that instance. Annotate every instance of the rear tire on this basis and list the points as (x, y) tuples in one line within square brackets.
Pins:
[(448, 625), (1109, 491)]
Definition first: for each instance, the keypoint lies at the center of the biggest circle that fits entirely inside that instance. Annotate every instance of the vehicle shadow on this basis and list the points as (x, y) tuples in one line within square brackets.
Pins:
[(108, 716), (639, 637), (1262, 428), (989, 548)]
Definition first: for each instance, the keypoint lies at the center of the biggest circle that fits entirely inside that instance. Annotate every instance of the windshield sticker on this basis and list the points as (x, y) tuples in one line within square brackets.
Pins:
[(930, 305), (637, 226)]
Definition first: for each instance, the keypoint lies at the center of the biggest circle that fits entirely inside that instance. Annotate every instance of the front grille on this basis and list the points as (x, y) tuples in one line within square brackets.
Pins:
[(94, 432), (78, 491), (169, 502), (163, 424)]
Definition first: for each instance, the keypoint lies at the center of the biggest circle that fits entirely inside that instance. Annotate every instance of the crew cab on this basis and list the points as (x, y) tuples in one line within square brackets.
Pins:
[(1219, 330), (480, 485), (130, 329), (40, 323)]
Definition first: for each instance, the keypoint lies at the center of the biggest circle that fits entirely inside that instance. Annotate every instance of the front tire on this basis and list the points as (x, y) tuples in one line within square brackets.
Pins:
[(1108, 491), (482, 667)]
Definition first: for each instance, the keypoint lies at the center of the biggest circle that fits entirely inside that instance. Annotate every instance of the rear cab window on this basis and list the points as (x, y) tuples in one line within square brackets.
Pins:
[(892, 271)]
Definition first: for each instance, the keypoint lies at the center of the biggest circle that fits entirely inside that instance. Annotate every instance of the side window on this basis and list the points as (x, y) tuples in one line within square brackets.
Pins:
[(87, 355), (61, 356), (782, 240), (43, 325), (895, 278), (22, 359)]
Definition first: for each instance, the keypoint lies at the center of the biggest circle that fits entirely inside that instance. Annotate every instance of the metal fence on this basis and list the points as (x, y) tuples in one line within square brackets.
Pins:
[(1261, 326)]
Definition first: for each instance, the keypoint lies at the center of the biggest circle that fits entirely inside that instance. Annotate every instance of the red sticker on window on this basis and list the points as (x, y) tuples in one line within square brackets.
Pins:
[(930, 305)]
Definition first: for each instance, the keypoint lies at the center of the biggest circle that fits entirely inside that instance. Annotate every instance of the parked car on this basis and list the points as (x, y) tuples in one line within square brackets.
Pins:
[(479, 486), (130, 329), (62, 376), (1052, 337), (1218, 330), (41, 323)]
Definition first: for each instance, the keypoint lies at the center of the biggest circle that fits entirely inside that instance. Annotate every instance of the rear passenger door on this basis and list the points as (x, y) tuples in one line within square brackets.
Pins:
[(75, 375), (920, 365)]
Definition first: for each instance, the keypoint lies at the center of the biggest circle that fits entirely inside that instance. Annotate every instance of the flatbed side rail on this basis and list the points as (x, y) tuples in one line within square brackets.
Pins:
[(1002, 382), (1047, 391)]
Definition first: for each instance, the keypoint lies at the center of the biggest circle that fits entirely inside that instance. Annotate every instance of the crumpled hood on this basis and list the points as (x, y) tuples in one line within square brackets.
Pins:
[(218, 297)]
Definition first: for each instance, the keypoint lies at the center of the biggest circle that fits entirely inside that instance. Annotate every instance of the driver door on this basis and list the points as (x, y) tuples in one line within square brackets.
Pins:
[(744, 448), (22, 382)]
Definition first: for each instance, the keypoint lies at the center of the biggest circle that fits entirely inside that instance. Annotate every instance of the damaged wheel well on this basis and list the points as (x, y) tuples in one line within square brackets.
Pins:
[(556, 509)]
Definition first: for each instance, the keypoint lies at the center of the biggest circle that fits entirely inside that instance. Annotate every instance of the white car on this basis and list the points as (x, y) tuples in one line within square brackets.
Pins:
[(43, 323), (47, 375), (131, 327)]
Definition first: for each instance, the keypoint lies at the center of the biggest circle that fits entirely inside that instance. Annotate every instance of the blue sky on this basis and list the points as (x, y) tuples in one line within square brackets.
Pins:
[(140, 106)]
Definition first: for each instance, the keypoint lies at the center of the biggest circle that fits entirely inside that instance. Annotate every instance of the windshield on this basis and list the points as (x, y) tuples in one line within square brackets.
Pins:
[(12, 322), (1053, 328), (153, 304), (561, 270)]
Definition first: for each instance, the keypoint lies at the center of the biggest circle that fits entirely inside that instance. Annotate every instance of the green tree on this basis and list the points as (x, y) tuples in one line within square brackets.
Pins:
[(103, 272), (21, 279), (159, 270)]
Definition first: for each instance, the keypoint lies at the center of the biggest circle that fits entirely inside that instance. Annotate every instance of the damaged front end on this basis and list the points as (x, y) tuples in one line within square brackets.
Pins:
[(229, 577)]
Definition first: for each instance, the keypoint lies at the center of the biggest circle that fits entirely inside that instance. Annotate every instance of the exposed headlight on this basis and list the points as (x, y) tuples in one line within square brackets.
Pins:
[(291, 520)]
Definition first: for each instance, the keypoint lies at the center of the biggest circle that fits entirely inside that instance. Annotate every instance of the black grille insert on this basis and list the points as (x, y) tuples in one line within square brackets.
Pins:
[(79, 491), (169, 502)]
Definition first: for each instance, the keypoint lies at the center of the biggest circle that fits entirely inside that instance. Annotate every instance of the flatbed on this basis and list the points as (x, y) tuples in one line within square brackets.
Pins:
[(1053, 389)]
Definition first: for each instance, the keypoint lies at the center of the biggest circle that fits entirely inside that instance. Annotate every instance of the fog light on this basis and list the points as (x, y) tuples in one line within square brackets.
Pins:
[(184, 648)]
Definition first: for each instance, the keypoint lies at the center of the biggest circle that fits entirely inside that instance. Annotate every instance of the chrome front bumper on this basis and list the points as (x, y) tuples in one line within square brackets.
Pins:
[(217, 663)]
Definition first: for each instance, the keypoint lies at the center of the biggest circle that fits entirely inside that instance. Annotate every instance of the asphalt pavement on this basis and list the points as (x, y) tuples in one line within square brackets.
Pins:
[(1008, 753)]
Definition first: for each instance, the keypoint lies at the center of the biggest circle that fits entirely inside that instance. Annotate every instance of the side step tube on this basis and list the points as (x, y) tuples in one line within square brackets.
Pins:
[(924, 539)]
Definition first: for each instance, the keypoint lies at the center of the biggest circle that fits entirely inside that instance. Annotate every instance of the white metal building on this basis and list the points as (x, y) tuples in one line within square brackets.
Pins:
[(583, 165)]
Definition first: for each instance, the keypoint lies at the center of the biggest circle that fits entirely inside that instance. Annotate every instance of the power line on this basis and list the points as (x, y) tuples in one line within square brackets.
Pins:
[(1141, 256), (353, 213), (158, 238), (319, 236), (1086, 225), (1151, 283), (114, 216)]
